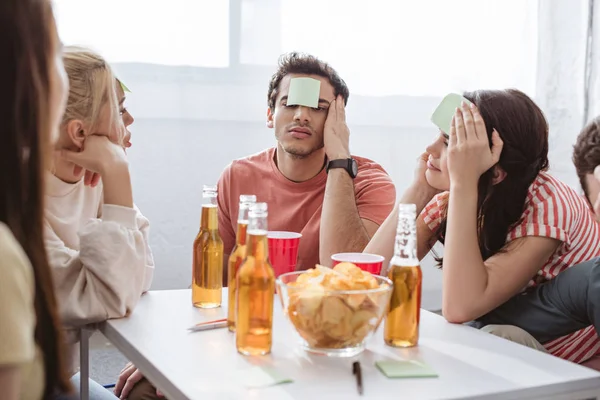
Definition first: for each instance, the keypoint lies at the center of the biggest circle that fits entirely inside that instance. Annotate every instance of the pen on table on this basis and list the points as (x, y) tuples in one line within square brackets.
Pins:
[(357, 372), (203, 326)]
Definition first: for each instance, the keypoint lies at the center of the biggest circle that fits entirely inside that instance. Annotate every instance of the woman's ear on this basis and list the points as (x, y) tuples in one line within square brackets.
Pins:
[(76, 132), (499, 175)]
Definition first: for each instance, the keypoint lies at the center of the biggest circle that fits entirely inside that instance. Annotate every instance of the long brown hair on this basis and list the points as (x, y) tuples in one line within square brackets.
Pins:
[(524, 131), (26, 47)]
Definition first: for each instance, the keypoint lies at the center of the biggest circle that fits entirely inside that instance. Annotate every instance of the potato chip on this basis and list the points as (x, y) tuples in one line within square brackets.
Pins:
[(349, 269), (308, 301), (334, 310), (355, 300)]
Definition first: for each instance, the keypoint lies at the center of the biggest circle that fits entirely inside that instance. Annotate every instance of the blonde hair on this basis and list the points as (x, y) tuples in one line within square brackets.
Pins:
[(91, 88)]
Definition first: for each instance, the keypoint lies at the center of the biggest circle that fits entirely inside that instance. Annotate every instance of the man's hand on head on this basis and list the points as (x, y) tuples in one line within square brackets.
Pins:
[(336, 135)]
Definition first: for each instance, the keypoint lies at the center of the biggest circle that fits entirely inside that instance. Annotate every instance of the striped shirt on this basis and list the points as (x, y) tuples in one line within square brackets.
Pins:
[(553, 210)]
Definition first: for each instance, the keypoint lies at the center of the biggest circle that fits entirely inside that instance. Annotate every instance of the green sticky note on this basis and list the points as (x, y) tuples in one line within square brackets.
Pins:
[(405, 369), (125, 88), (263, 376), (304, 92), (442, 116)]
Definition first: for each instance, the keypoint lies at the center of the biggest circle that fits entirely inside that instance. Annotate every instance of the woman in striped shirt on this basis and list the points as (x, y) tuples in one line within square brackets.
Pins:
[(508, 227)]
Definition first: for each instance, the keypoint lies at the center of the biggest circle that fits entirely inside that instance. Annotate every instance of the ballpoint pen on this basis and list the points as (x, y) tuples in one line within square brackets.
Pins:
[(358, 373), (203, 326)]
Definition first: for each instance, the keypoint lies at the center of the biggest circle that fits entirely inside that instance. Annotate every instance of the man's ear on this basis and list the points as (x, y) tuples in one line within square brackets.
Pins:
[(499, 175), (270, 118), (76, 132)]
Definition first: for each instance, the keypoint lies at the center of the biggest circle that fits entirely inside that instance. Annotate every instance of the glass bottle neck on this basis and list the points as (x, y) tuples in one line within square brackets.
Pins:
[(244, 213), (258, 246), (242, 233), (209, 220), (405, 251), (258, 224), (257, 237), (242, 224)]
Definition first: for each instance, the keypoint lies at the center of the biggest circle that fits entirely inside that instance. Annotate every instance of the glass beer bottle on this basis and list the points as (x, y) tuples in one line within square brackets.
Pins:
[(238, 254), (207, 267), (255, 289), (401, 328)]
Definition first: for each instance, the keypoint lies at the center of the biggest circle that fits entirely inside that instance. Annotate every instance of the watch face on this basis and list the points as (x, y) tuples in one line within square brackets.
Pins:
[(354, 166)]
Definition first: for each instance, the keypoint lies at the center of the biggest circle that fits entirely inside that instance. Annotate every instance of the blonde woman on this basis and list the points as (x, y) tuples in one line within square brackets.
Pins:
[(96, 239)]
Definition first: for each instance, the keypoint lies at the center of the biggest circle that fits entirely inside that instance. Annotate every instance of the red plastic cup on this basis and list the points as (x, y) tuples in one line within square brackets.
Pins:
[(367, 262), (283, 251)]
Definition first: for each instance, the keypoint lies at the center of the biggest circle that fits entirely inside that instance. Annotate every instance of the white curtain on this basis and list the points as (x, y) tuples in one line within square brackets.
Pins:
[(199, 69), (567, 83)]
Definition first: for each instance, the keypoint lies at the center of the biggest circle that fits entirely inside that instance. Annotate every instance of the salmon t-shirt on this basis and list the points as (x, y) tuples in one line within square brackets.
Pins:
[(296, 207)]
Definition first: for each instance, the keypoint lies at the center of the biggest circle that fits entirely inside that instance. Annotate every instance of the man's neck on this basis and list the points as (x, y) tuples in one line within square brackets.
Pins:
[(298, 169)]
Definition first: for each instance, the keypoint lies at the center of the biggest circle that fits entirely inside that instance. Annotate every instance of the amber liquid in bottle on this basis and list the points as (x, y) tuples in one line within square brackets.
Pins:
[(401, 327), (207, 268), (255, 290), (238, 255)]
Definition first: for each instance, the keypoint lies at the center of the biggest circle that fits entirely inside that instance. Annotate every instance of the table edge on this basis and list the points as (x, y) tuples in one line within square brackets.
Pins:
[(153, 374), (149, 371)]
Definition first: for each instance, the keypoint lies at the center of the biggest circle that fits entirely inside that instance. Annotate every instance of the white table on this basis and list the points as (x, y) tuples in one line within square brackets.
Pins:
[(203, 365)]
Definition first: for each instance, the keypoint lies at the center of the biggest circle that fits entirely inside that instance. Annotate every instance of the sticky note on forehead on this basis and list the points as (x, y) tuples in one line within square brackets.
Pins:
[(304, 92), (442, 116), (125, 88)]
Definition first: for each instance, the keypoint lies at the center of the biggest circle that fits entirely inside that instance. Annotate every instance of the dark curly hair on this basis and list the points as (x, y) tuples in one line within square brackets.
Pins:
[(300, 63), (586, 152)]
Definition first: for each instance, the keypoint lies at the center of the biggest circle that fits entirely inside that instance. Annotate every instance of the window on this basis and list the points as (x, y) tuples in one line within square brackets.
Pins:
[(174, 32), (426, 47)]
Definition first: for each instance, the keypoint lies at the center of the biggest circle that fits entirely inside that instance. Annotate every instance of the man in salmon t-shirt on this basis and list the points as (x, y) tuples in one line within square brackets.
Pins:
[(310, 180)]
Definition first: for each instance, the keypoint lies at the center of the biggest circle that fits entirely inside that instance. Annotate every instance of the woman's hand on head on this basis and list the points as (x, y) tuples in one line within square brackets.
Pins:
[(97, 155), (469, 153)]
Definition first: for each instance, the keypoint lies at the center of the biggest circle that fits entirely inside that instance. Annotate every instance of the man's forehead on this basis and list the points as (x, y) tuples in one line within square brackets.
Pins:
[(326, 91)]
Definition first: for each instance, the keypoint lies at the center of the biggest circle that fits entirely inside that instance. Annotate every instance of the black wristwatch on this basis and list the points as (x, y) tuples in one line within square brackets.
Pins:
[(349, 164)]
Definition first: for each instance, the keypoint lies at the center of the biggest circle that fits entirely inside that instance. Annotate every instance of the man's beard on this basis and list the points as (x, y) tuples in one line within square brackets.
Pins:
[(299, 152)]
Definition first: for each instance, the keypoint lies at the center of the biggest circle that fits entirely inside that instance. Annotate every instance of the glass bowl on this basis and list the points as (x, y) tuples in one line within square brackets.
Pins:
[(334, 323)]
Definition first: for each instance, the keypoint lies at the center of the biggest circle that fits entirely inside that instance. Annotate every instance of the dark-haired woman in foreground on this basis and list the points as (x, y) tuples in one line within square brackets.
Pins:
[(32, 100), (507, 226)]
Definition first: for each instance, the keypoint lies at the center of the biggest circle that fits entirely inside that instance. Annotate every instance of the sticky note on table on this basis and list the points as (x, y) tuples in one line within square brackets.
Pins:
[(405, 369), (442, 116), (256, 377), (304, 92)]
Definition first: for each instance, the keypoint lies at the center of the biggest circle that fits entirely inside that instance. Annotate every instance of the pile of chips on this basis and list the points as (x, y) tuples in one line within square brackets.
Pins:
[(329, 319)]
